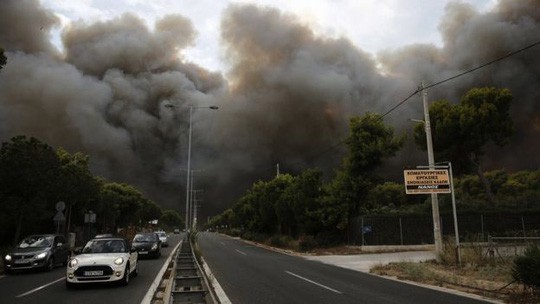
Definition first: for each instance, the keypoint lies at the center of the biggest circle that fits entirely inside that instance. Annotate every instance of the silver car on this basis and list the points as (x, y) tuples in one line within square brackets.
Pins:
[(43, 251)]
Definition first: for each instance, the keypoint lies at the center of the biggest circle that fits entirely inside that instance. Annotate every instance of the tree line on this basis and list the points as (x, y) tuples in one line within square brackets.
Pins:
[(34, 177), (305, 205)]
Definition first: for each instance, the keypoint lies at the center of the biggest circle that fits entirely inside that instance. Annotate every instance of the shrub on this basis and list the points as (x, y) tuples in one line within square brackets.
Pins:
[(235, 232), (526, 269), (253, 236), (327, 239), (306, 243), (281, 241)]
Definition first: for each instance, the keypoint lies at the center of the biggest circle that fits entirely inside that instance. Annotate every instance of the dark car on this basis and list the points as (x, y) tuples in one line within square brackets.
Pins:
[(105, 235), (42, 251), (147, 244)]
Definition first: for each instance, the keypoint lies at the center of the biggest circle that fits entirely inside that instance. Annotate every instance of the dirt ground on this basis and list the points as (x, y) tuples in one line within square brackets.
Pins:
[(491, 280)]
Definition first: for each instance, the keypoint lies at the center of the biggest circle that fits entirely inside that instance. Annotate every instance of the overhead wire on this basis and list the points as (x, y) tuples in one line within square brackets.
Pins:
[(418, 90)]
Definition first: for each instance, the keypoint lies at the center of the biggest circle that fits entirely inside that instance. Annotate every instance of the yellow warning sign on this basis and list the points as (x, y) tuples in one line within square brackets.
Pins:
[(426, 181)]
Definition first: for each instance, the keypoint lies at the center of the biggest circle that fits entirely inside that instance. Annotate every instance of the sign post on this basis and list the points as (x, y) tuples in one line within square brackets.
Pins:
[(424, 180)]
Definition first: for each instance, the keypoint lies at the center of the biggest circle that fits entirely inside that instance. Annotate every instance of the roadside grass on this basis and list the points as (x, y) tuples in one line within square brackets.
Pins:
[(478, 274)]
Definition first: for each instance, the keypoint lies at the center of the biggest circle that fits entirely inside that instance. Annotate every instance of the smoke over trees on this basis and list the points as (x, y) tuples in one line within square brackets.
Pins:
[(286, 99)]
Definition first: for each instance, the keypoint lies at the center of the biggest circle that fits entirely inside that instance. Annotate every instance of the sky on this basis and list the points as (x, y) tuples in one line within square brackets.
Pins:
[(372, 25), (287, 77)]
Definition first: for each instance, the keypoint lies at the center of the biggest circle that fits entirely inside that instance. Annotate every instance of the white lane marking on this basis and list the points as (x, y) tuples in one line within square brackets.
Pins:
[(241, 252), (40, 288), (313, 282)]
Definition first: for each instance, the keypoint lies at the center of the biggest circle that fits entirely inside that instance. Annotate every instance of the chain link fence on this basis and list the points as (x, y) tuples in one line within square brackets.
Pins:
[(418, 229)]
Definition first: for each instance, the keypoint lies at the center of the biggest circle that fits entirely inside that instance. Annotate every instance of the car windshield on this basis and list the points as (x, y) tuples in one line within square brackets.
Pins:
[(37, 241), (104, 246), (143, 238)]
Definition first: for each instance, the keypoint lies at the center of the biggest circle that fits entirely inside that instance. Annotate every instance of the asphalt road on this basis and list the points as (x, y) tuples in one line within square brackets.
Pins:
[(49, 287), (250, 274)]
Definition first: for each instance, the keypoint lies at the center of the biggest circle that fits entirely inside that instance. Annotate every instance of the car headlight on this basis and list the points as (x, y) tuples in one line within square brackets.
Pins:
[(119, 261), (73, 263), (7, 257), (41, 255), (154, 247)]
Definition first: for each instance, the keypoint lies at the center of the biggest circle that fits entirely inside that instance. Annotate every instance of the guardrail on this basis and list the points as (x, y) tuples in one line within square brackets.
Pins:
[(190, 284)]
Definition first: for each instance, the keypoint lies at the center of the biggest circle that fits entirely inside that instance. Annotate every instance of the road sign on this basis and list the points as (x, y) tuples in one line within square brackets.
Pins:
[(421, 181), (59, 217), (60, 206)]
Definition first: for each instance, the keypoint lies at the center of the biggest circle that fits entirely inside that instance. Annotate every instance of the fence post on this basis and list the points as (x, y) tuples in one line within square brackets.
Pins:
[(362, 229), (491, 250), (482, 225), (400, 231), (523, 226)]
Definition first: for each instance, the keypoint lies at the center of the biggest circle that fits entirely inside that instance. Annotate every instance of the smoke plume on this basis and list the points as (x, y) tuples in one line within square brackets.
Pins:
[(286, 99)]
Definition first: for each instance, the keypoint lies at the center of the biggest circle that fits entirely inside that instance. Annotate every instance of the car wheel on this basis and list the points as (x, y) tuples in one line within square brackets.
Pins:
[(8, 271), (50, 264), (69, 285), (136, 271), (125, 279)]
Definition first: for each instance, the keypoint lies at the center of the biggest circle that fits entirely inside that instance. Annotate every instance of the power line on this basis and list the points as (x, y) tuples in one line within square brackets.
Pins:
[(430, 86), (462, 74)]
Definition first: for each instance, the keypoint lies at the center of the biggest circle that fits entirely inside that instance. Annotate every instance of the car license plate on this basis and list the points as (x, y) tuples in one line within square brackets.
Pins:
[(93, 273), (22, 261), (143, 252)]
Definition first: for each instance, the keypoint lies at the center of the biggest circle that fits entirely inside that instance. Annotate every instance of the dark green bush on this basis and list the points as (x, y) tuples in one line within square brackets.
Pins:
[(526, 269), (281, 241), (255, 237), (235, 232), (306, 243), (326, 239)]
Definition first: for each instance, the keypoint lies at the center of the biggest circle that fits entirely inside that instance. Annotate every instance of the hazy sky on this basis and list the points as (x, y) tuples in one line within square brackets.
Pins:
[(287, 77), (372, 25)]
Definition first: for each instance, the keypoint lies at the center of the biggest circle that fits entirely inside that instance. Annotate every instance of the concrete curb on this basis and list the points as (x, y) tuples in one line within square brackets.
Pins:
[(218, 290)]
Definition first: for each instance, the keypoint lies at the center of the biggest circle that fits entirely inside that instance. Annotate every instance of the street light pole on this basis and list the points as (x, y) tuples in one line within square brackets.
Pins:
[(188, 171), (188, 177)]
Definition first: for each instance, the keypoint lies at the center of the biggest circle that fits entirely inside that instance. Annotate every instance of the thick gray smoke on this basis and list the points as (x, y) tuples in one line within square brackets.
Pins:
[(286, 99)]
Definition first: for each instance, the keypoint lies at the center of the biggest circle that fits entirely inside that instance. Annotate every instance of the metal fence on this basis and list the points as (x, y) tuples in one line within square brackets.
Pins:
[(417, 230)]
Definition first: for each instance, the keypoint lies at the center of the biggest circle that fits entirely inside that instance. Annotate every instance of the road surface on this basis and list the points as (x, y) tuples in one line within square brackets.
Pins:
[(250, 274)]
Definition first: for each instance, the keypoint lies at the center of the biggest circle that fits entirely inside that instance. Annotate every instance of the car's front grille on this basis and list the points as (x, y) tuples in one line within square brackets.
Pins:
[(20, 257), (88, 279), (107, 270)]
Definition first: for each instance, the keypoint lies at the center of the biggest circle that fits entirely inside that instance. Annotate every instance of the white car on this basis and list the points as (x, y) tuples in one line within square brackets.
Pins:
[(103, 260), (163, 238)]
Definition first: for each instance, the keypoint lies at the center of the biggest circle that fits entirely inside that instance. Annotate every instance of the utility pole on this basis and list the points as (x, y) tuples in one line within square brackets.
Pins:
[(277, 169), (437, 236)]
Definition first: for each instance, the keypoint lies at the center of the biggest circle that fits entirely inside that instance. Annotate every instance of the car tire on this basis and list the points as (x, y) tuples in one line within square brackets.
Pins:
[(70, 285), (125, 279), (50, 264), (136, 271), (8, 271)]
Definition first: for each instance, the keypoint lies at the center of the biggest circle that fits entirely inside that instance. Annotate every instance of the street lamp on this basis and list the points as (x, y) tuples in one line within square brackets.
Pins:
[(191, 107)]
